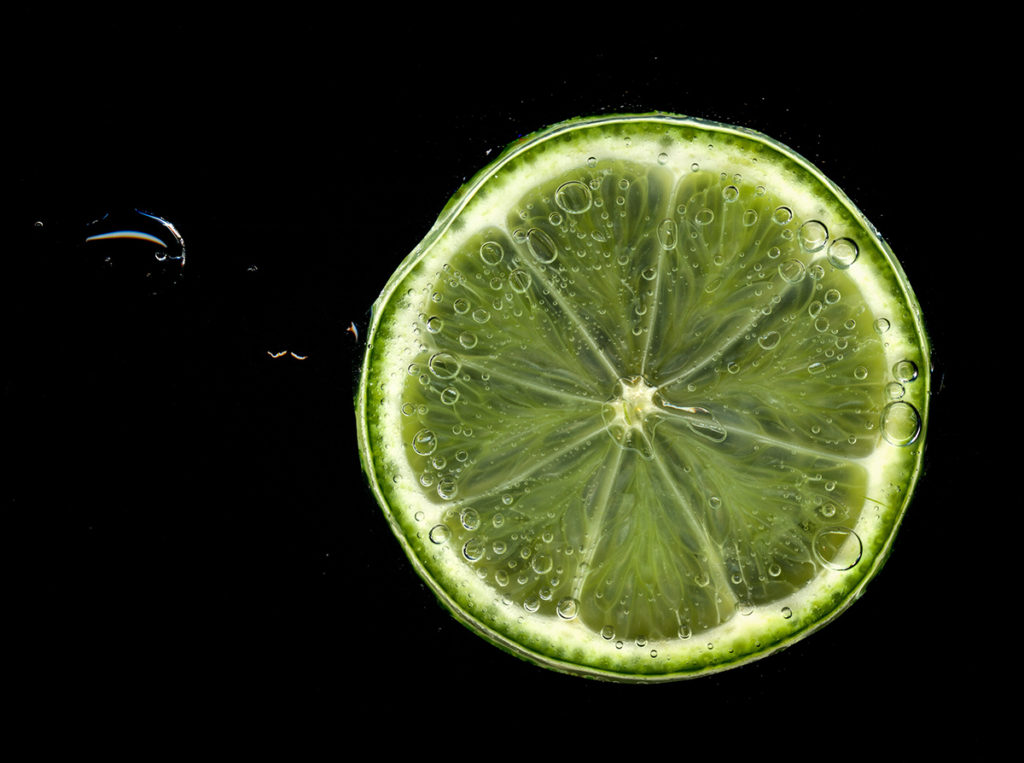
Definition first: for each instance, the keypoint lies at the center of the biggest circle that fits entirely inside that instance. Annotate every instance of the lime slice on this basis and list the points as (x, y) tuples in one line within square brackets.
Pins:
[(648, 402)]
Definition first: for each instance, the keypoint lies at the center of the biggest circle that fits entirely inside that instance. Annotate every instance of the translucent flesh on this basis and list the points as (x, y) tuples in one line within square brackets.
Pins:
[(646, 408)]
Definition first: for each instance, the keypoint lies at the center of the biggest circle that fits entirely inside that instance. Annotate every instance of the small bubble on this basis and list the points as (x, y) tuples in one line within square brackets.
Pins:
[(555, 219), (480, 315), (461, 305), (668, 234), (768, 340), (750, 217), (882, 325), (842, 253), (501, 578), (715, 502), (832, 296), (684, 632), (439, 534), (491, 252), (567, 609), (838, 548), (730, 193), (574, 197), (662, 158), (695, 167), (542, 246), (434, 324), (607, 633), (782, 215), (542, 564), (816, 367), (449, 396), (507, 499), (447, 488), (812, 235), (860, 373), (470, 519), (592, 161), (792, 271), (444, 365), (468, 339), (532, 604), (787, 612), (424, 442), (473, 550), (901, 423), (905, 371), (704, 216), (774, 569)]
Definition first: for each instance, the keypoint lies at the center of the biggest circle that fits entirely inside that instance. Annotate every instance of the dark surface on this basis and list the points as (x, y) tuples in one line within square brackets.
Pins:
[(188, 512)]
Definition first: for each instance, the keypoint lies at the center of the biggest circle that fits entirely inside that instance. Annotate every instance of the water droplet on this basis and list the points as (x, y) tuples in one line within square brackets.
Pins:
[(787, 612), (574, 197), (607, 633), (774, 252), (473, 550), (905, 371), (567, 609), (715, 502), (449, 395), (444, 365), (860, 373), (730, 193), (832, 296), (468, 339), (501, 578), (750, 218), (507, 499), (519, 280), (668, 234), (592, 161), (901, 423), (769, 340), (882, 325), (461, 305), (704, 216), (439, 534), (480, 315), (424, 442), (782, 215), (774, 569), (842, 253), (532, 604), (685, 632), (838, 548), (695, 167), (541, 245), (812, 236), (434, 324), (792, 271), (555, 219)]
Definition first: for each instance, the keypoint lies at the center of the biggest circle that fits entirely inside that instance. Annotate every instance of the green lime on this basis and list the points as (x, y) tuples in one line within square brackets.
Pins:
[(648, 401)]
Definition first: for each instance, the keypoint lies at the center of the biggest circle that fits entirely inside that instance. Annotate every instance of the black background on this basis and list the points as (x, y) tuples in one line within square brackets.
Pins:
[(194, 537)]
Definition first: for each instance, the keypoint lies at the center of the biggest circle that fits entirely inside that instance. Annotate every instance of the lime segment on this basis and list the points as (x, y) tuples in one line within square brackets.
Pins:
[(648, 402)]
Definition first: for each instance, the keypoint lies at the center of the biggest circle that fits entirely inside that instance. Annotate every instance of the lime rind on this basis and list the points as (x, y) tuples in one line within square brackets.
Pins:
[(880, 480)]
